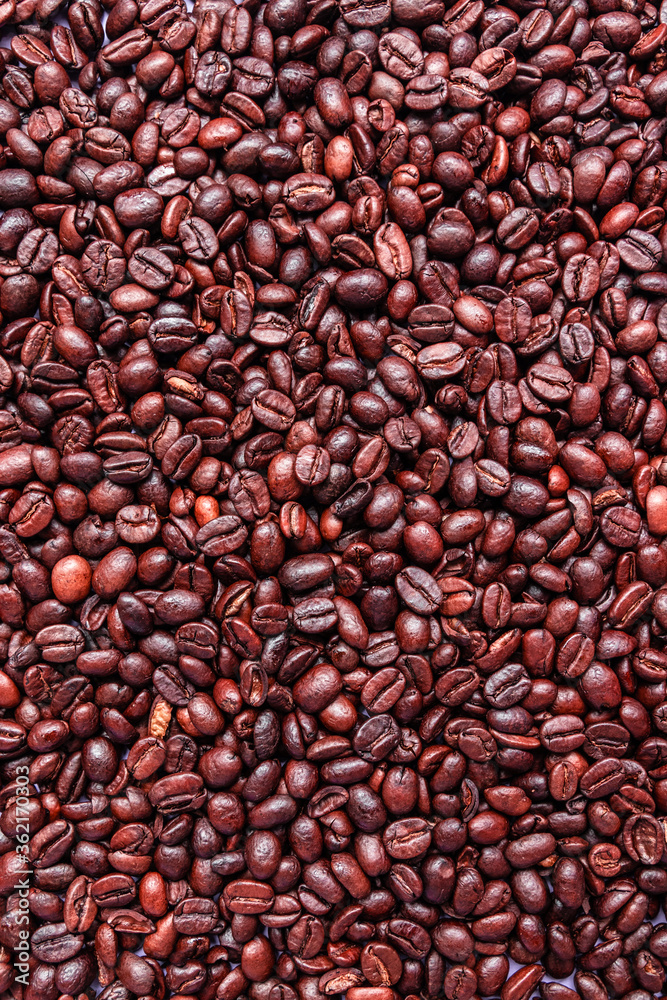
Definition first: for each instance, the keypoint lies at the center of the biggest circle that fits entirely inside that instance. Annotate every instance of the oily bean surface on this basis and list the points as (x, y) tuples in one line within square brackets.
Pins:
[(333, 500)]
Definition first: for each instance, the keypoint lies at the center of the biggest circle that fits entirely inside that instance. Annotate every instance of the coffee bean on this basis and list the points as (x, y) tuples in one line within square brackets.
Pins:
[(332, 585)]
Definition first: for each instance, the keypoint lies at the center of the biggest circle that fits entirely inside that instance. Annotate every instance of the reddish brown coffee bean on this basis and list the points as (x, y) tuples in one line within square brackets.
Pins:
[(332, 498)]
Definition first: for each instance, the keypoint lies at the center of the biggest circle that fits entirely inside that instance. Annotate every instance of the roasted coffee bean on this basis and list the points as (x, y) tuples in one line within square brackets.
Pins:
[(333, 498)]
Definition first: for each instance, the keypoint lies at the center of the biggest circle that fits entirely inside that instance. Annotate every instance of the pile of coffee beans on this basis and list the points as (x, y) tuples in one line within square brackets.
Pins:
[(333, 499)]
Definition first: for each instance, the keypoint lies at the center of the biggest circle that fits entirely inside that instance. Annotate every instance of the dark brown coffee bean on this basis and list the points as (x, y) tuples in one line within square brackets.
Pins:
[(332, 499)]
